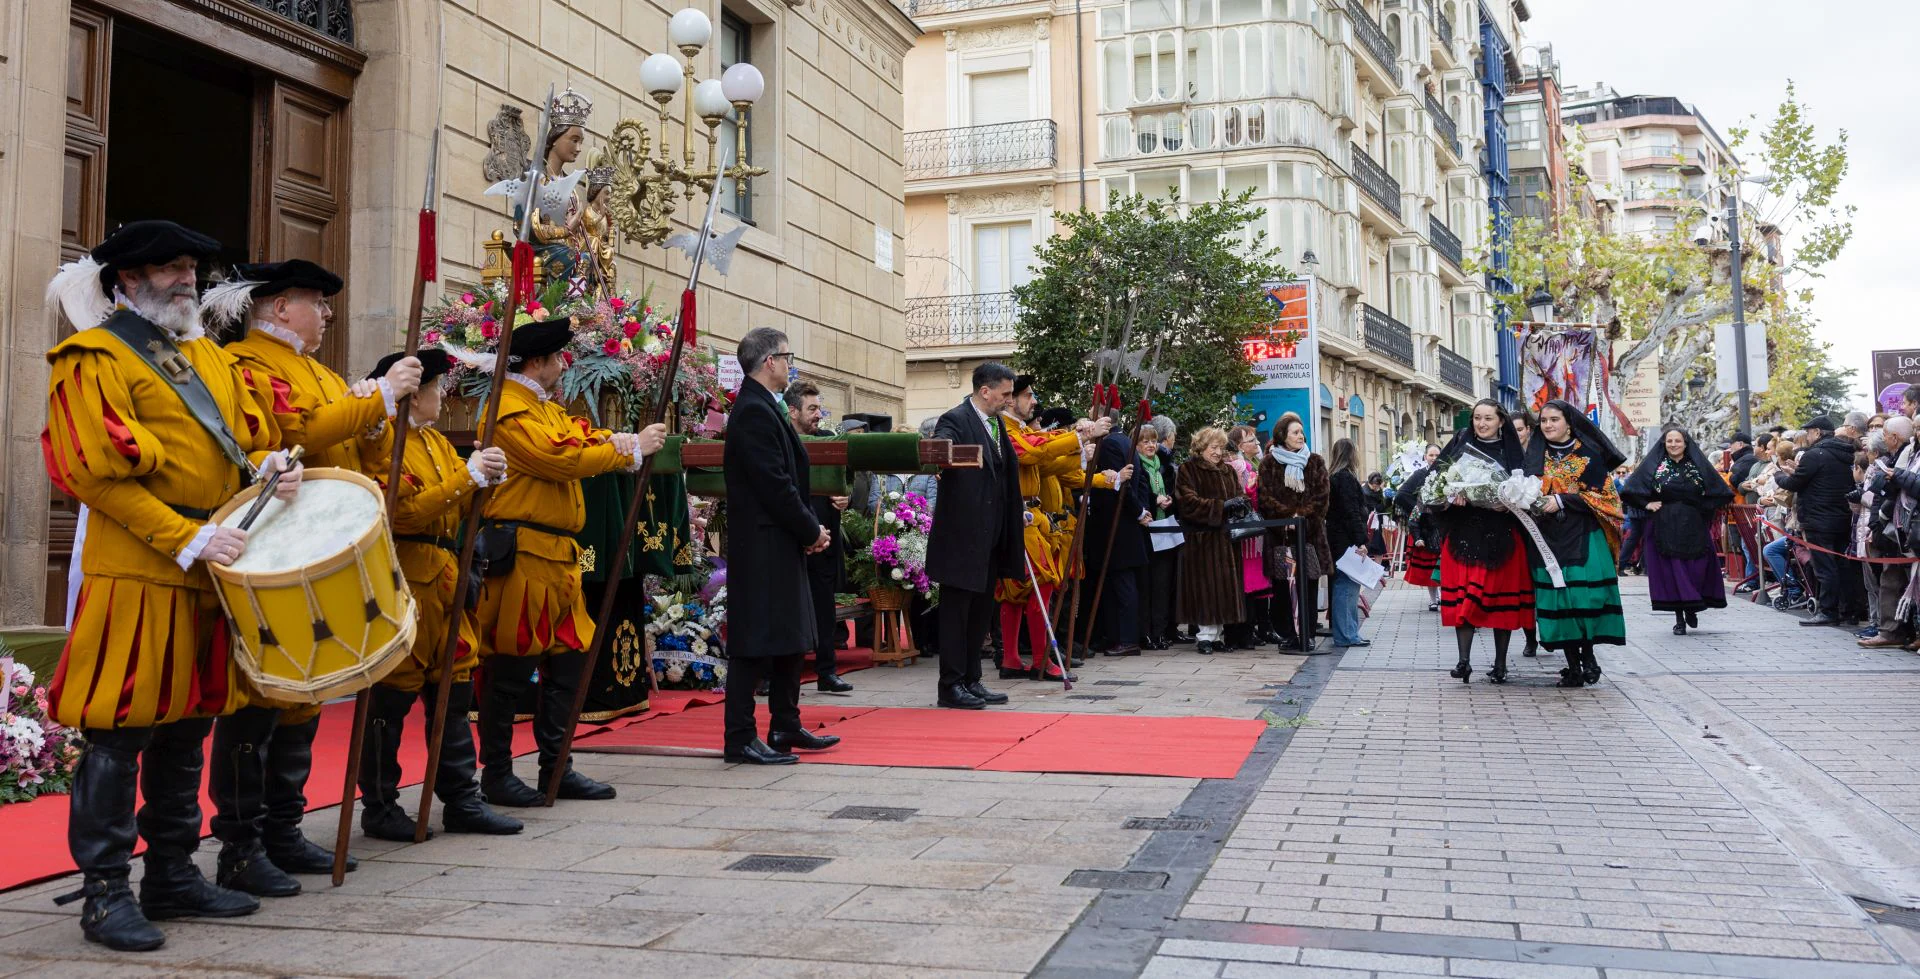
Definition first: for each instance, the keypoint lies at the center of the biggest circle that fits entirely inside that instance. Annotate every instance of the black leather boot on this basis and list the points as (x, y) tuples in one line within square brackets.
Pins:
[(289, 762), (170, 821), (461, 808), (237, 783), (507, 678), (380, 814), (557, 684), (100, 834)]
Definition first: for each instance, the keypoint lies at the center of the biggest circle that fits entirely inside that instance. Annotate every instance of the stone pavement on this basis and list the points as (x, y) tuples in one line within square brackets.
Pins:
[(1711, 808)]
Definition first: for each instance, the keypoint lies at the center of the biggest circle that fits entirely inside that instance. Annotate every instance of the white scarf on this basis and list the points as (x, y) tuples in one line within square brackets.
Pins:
[(1296, 463)]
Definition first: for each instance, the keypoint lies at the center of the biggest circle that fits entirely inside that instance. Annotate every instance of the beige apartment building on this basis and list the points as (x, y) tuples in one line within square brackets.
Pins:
[(1357, 125), (306, 134), (1655, 157)]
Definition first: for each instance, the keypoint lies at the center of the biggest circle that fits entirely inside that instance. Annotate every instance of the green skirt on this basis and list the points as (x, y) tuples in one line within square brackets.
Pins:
[(1587, 610)]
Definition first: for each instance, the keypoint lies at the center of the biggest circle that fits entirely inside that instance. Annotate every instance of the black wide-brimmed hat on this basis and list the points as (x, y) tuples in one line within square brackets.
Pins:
[(139, 243), (541, 338), (433, 363), (274, 278)]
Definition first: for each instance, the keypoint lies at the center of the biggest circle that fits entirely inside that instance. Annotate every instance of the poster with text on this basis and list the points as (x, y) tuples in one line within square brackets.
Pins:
[(1286, 359), (1893, 372)]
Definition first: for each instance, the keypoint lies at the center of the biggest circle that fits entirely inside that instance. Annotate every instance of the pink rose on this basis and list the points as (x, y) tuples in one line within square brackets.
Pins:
[(490, 329), (467, 297), (631, 329)]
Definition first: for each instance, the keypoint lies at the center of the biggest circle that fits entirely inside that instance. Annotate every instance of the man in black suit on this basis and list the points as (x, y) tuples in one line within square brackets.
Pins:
[(771, 530), (977, 524), (825, 572)]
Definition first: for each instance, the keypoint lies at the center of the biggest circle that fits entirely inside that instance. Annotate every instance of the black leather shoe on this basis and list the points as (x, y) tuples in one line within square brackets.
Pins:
[(1363, 643), (509, 790), (1693, 620), (470, 815), (111, 916), (289, 762), (1125, 649), (1009, 673), (1820, 619), (957, 696), (986, 696), (303, 856), (174, 888), (574, 785), (244, 867), (802, 740), (756, 752), (383, 823), (462, 810), (829, 683), (380, 814)]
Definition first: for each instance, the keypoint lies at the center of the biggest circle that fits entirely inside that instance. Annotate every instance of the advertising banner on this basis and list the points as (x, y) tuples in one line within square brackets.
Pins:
[(1639, 391), (1893, 371), (1286, 357)]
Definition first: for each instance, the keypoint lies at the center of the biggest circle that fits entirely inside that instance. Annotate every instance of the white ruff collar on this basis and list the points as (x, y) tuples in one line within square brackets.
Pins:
[(281, 334), (528, 383)]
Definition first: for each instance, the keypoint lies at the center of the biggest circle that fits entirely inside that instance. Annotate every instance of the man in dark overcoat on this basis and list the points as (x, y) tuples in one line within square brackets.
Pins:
[(1119, 623), (977, 525), (770, 531)]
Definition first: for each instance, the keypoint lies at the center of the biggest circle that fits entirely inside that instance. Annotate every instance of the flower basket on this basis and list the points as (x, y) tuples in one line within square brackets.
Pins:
[(889, 599)]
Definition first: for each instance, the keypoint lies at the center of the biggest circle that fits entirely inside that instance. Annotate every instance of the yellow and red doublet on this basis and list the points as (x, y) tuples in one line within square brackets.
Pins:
[(435, 489), (1035, 450), (311, 403), (536, 608), (149, 642)]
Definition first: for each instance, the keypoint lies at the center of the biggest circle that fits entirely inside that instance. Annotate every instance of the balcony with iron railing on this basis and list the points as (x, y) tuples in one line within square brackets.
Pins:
[(1445, 127), (928, 8), (334, 18), (1456, 372), (969, 150), (1444, 241), (1367, 31), (1217, 127), (959, 321), (1683, 157), (1376, 181), (1443, 28), (1387, 336)]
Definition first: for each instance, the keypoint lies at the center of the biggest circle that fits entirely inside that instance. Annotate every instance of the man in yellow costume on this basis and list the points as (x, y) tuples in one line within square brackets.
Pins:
[(436, 487), (1035, 449), (153, 426), (531, 614), (263, 752)]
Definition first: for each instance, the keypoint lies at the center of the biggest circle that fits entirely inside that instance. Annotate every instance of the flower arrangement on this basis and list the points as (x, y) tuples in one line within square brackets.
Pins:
[(1478, 481), (620, 349), (688, 630), (37, 756), (1408, 458), (899, 547)]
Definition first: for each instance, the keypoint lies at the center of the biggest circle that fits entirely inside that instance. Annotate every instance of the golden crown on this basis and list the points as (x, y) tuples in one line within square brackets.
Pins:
[(569, 108)]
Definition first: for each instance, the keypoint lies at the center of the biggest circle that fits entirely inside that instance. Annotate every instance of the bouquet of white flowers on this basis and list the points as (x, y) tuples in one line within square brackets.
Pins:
[(1470, 477)]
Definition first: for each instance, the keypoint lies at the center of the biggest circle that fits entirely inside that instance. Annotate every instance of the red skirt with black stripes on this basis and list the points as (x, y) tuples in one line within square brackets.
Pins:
[(1423, 566), (1493, 598)]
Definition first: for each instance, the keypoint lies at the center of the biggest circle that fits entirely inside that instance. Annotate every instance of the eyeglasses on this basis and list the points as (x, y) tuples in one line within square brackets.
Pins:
[(784, 353)]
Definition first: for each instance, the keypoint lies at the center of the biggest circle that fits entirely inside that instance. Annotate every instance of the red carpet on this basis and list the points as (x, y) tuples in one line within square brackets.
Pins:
[(1002, 741), (34, 834)]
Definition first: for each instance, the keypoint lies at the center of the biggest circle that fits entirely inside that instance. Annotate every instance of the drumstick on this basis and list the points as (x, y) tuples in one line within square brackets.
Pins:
[(266, 492)]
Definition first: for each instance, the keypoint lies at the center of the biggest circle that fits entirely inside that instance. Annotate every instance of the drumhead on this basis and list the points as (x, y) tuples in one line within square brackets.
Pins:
[(326, 517)]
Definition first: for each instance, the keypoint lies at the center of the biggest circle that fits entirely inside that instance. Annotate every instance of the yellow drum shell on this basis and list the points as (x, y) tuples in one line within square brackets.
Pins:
[(333, 627)]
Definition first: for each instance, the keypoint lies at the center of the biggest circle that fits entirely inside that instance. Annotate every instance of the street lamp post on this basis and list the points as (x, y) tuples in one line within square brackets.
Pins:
[(1739, 313)]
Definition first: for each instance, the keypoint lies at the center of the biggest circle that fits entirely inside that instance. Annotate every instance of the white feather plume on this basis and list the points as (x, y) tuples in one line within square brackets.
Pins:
[(480, 360), (78, 291), (227, 303)]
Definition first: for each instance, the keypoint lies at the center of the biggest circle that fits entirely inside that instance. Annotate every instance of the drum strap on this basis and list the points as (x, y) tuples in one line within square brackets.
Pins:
[(443, 543), (191, 512), (157, 351)]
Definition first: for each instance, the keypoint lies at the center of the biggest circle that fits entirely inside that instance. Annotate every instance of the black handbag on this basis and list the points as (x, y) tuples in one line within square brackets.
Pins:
[(1238, 510)]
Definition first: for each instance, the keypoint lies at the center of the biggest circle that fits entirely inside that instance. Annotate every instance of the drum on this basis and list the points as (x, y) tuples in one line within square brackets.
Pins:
[(317, 603)]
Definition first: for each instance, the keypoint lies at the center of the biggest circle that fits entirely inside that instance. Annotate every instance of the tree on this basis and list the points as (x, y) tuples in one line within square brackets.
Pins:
[(1666, 292), (1180, 283)]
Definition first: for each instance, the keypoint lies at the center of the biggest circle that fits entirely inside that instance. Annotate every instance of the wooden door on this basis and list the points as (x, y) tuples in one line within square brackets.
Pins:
[(300, 179)]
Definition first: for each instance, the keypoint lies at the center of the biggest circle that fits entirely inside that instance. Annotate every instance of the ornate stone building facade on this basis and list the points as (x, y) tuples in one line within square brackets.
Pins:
[(307, 134)]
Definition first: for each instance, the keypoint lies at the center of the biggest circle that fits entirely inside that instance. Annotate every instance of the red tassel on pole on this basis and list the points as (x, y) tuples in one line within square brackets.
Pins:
[(1146, 410), (687, 332), (429, 247), (522, 283)]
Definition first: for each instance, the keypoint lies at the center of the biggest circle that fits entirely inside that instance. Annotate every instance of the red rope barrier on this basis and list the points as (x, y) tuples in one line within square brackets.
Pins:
[(1803, 542)]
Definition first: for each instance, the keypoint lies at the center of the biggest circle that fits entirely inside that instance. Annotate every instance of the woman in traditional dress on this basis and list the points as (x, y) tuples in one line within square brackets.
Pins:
[(1579, 517), (1682, 492), (1484, 582), (1294, 483), (1210, 568), (1422, 536)]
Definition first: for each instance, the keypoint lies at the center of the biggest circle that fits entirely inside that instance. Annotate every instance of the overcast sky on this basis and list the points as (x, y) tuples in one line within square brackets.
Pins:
[(1731, 59)]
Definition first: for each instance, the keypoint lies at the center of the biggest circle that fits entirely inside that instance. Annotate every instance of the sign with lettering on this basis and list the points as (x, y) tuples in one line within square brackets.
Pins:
[(1893, 372), (1286, 357)]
